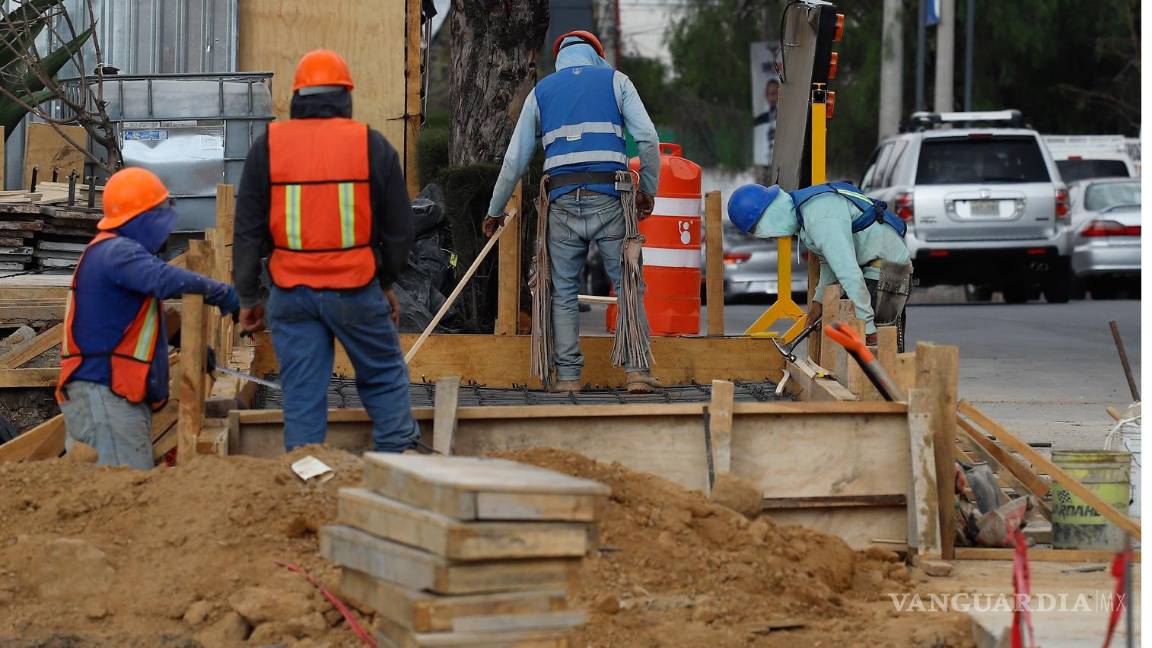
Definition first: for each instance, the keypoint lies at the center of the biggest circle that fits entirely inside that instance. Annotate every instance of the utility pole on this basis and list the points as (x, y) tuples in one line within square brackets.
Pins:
[(921, 46), (892, 68), (945, 56), (969, 51)]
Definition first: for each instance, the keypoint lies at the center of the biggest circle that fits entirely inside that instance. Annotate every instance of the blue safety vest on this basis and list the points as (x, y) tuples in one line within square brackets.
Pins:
[(581, 126), (872, 211)]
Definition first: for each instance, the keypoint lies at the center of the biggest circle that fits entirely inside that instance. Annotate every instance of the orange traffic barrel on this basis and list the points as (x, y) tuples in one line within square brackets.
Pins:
[(671, 247)]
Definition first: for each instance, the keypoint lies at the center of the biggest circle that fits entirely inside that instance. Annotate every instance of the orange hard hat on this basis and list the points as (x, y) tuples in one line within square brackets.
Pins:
[(322, 68), (587, 37), (129, 193)]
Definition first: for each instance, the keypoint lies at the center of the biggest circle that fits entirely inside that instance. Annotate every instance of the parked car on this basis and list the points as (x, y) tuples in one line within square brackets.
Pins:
[(750, 267), (985, 204), (1080, 157), (1105, 236)]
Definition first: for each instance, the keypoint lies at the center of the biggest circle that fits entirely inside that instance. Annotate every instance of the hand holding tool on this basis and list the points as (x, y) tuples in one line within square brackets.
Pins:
[(789, 352)]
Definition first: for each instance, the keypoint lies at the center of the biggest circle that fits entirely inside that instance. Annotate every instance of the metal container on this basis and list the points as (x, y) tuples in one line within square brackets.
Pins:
[(1075, 524), (193, 130)]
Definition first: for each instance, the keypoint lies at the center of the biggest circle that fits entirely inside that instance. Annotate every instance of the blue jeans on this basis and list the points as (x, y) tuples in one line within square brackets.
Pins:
[(573, 223), (304, 322), (119, 431)]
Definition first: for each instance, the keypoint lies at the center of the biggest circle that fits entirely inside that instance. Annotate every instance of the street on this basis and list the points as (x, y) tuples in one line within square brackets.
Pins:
[(1044, 371)]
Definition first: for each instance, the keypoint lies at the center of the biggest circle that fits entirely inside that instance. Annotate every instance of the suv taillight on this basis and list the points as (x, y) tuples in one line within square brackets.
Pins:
[(736, 258), (904, 206), (1102, 228), (1062, 205)]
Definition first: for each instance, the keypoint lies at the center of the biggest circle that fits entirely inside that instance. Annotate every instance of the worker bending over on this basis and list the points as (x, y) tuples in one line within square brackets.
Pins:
[(114, 349), (324, 197), (580, 113), (860, 244)]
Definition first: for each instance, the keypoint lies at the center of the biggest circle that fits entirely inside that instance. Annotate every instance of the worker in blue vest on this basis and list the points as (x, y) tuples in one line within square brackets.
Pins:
[(580, 113), (860, 244), (114, 347)]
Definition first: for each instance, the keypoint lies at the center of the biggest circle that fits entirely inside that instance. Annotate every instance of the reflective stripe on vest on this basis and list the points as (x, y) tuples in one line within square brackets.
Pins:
[(321, 212), (130, 361), (580, 120), (576, 131)]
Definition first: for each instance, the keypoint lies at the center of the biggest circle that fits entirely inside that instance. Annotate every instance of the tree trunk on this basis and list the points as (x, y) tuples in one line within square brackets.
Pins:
[(494, 49)]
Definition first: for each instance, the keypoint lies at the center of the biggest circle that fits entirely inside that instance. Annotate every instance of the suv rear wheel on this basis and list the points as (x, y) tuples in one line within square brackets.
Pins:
[(1057, 283), (977, 292), (1018, 293)]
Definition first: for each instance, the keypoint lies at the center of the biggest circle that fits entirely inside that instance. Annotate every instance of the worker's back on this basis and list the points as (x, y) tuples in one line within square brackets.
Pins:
[(581, 126)]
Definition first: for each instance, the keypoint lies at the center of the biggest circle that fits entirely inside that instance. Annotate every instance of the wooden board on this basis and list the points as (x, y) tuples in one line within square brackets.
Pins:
[(1011, 467), (811, 383), (424, 612), (1040, 555), (937, 370), (10, 378), (508, 273), (393, 636), (720, 425), (714, 258), (29, 349), (48, 434), (45, 148), (193, 351), (370, 35), (860, 527), (472, 488), (414, 569), (444, 425), (455, 540), (924, 517)]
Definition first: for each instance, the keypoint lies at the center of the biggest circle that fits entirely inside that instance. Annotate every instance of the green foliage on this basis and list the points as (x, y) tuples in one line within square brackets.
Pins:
[(431, 154)]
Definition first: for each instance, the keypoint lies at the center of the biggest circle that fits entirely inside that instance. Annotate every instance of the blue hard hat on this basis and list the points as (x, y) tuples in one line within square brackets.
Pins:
[(747, 203)]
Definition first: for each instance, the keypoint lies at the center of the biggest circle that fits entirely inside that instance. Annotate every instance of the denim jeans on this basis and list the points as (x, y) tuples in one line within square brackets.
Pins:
[(121, 432), (304, 322), (574, 223)]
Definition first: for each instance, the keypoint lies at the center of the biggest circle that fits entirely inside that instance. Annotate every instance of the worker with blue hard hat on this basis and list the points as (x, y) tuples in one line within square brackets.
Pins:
[(860, 244)]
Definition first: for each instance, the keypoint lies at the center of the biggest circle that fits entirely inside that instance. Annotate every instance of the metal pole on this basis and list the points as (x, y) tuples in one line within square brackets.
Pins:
[(969, 52), (921, 46)]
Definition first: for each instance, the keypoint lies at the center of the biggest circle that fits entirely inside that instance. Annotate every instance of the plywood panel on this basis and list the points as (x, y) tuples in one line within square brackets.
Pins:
[(45, 148), (859, 527), (369, 34)]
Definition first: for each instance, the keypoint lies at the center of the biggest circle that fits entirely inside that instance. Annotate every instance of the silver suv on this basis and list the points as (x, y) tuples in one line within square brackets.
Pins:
[(984, 202)]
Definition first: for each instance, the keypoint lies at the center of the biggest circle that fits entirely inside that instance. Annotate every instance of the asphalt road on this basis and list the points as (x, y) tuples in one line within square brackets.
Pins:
[(1044, 371)]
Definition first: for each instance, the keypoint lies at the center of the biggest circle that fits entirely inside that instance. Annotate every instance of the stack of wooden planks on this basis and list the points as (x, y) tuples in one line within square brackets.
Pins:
[(464, 551), (34, 236)]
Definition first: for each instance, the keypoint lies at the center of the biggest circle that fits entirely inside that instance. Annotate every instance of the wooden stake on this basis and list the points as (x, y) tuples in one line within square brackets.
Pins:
[(923, 512), (444, 423), (225, 234), (720, 424), (193, 351), (829, 350), (508, 290), (714, 262), (1127, 524), (413, 89), (937, 371)]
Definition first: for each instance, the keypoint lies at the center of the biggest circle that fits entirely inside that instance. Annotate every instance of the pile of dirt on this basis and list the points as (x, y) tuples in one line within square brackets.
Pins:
[(676, 569), (93, 556)]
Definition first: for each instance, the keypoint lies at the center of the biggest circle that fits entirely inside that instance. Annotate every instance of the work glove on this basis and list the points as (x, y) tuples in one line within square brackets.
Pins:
[(224, 297)]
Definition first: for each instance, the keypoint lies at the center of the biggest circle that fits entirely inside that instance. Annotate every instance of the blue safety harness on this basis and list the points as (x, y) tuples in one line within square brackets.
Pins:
[(871, 211)]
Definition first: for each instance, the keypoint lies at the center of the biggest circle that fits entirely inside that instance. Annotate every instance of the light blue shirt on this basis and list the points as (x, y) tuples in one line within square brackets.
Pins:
[(527, 132)]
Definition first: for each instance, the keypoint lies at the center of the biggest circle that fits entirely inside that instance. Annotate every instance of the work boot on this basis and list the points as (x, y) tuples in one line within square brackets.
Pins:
[(565, 386), (642, 382)]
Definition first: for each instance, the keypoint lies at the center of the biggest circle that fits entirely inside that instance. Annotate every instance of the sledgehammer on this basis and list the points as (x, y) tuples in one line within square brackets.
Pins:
[(854, 344)]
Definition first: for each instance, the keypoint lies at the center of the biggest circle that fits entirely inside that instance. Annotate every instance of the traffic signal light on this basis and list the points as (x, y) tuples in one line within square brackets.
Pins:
[(830, 30)]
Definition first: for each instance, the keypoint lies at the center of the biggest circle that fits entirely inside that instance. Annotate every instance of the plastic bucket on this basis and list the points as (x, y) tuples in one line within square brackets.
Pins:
[(1075, 524)]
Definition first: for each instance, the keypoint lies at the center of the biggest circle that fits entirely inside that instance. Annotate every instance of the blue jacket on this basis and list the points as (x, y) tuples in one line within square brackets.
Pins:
[(581, 77), (112, 282)]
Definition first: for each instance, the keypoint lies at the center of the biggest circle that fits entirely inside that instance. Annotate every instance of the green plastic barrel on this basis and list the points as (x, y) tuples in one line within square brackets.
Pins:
[(1075, 524)]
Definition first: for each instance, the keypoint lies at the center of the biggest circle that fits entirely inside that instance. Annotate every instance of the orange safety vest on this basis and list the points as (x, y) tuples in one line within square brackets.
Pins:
[(131, 360), (321, 216)]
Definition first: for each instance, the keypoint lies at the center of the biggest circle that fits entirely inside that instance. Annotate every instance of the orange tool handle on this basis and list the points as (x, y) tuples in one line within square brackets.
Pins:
[(850, 340)]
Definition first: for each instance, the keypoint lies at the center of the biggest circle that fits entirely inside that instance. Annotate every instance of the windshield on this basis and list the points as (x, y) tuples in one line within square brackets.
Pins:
[(981, 161), (1102, 195), (1073, 170)]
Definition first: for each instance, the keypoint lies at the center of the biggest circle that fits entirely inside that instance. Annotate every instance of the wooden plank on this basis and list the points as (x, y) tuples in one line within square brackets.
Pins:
[(413, 96), (508, 271), (414, 569), (905, 374), (887, 338), (32, 313), (424, 612), (814, 386), (937, 370), (720, 425), (834, 501), (847, 370), (391, 635), (714, 262), (1040, 555), (274, 34), (25, 352), (830, 352), (25, 445), (455, 540), (12, 378), (47, 149), (1127, 524), (1011, 467), (193, 351), (444, 425), (860, 527), (924, 516)]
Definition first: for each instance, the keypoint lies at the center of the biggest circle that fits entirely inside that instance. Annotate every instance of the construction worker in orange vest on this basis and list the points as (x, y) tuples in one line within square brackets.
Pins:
[(114, 349), (323, 198)]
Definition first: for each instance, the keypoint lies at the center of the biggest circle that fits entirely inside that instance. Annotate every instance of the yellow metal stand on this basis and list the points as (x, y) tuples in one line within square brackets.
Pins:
[(785, 307)]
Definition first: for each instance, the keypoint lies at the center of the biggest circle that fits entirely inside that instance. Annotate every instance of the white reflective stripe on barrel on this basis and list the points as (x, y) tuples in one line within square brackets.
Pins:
[(671, 258), (676, 207)]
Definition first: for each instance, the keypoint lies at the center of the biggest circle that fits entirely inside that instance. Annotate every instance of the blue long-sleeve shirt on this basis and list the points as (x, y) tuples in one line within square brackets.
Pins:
[(527, 131)]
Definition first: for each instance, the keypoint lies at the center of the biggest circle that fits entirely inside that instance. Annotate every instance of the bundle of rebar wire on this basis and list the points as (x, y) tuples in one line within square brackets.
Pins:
[(632, 347), (540, 285)]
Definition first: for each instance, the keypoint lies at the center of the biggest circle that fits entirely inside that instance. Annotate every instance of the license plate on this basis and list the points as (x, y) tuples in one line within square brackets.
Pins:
[(762, 287), (984, 208)]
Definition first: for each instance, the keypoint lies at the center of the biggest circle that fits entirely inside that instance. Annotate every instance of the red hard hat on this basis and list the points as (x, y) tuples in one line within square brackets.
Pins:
[(322, 68), (587, 37), (129, 193)]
